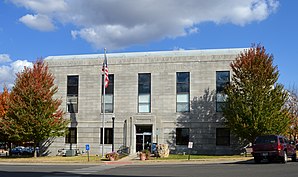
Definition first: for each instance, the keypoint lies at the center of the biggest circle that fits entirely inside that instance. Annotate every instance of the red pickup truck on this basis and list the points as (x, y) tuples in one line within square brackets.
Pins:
[(273, 147)]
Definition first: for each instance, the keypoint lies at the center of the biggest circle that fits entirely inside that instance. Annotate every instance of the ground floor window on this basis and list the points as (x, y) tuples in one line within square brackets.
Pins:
[(71, 137), (182, 136), (222, 137), (108, 136)]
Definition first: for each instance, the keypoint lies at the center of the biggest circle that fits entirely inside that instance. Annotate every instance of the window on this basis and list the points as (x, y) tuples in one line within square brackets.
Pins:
[(71, 137), (182, 90), (72, 94), (182, 136), (222, 80), (108, 136), (109, 95), (144, 91), (222, 137)]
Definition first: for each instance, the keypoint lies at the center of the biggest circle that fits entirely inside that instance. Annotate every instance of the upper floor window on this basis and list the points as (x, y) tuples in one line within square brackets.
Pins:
[(72, 93), (222, 80), (144, 92), (182, 91), (109, 95)]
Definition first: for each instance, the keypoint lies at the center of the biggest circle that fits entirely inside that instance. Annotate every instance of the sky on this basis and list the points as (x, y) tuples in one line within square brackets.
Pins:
[(35, 29)]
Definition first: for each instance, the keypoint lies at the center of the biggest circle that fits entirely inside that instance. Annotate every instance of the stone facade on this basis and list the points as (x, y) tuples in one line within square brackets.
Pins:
[(202, 120)]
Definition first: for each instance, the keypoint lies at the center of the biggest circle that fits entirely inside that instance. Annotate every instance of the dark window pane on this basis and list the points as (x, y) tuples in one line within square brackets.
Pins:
[(71, 137), (183, 77), (182, 87), (144, 82), (182, 136), (72, 80), (144, 91), (223, 137), (110, 88), (72, 85), (108, 136), (109, 95), (222, 79)]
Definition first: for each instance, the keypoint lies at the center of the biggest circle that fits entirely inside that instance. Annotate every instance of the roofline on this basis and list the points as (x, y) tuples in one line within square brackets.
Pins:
[(228, 51)]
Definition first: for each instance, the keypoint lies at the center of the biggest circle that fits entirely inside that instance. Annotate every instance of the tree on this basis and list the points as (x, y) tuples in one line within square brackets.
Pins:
[(4, 98), (33, 113), (255, 101), (292, 104)]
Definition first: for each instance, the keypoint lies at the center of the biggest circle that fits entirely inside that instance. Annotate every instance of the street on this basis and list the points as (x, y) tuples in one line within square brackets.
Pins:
[(243, 169)]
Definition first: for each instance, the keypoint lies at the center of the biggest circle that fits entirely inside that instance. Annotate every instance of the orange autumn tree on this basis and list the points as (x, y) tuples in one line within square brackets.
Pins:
[(34, 113), (4, 98), (254, 99)]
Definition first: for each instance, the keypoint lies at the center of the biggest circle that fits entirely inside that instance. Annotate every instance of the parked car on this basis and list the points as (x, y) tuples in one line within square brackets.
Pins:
[(17, 150), (21, 150), (28, 151), (273, 147)]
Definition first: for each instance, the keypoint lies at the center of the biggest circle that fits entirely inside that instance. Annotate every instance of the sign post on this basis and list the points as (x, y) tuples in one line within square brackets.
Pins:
[(190, 144), (87, 149)]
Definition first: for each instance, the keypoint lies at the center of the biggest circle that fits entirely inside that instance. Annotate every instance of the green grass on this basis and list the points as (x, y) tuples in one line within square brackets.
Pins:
[(55, 159)]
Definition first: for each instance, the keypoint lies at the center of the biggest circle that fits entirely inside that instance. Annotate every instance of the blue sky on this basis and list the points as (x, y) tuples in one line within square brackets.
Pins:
[(35, 29)]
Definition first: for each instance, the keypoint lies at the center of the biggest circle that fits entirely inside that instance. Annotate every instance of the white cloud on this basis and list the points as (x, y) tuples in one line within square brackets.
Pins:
[(39, 22), (118, 24), (8, 72), (4, 58)]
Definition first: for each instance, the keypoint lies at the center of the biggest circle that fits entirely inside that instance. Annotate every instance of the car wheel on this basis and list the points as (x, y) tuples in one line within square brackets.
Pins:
[(257, 160), (284, 157), (294, 157)]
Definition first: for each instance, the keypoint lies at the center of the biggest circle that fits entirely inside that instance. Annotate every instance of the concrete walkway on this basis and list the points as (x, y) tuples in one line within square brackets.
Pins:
[(133, 159)]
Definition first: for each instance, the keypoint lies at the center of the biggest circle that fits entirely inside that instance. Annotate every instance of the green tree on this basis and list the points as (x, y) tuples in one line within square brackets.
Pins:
[(33, 113), (255, 101)]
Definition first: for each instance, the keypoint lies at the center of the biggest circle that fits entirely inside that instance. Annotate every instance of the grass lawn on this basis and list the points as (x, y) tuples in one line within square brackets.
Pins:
[(53, 159), (98, 159)]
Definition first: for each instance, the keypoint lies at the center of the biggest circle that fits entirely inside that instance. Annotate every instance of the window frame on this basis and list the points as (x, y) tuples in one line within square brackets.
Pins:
[(183, 88), (72, 98), (143, 91), (220, 85), (109, 92)]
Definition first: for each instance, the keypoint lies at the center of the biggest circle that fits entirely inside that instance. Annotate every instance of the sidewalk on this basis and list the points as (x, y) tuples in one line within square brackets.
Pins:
[(133, 159)]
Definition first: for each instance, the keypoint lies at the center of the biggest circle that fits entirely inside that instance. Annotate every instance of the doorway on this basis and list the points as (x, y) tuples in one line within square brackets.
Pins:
[(143, 137)]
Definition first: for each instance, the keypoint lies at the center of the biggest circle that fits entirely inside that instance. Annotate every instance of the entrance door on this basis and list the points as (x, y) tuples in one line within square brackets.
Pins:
[(143, 137)]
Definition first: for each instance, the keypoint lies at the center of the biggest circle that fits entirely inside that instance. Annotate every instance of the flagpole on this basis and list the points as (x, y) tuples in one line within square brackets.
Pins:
[(104, 104)]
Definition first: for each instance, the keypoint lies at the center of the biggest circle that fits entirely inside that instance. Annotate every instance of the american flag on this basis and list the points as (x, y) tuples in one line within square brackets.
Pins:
[(106, 71)]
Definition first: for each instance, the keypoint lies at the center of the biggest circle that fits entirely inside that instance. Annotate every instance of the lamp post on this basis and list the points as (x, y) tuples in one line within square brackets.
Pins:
[(113, 126)]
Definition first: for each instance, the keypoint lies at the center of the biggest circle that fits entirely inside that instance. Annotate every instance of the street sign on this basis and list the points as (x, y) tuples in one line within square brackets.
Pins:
[(190, 144), (87, 147)]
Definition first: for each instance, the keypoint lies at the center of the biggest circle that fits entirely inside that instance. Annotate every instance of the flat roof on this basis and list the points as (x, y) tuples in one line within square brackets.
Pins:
[(173, 53)]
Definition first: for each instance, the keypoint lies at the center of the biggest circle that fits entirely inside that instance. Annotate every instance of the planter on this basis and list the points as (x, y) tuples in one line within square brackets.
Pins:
[(142, 156), (111, 158)]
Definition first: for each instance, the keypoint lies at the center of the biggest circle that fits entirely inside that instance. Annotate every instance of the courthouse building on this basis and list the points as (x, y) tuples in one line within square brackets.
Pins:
[(164, 97)]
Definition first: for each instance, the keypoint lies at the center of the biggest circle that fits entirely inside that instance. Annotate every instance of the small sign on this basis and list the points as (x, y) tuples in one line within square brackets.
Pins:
[(190, 144), (87, 147)]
